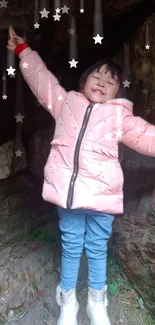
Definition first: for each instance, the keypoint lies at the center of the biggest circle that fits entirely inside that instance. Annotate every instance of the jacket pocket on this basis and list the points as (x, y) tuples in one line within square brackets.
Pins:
[(116, 175), (110, 172), (57, 158)]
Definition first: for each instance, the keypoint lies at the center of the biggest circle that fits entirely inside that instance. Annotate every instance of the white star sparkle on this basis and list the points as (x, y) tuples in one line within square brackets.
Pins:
[(11, 71), (147, 46), (58, 10), (126, 83), (36, 26), (18, 153), (98, 39), (73, 63), (65, 9), (56, 17), (4, 96), (119, 134), (96, 106), (3, 4), (25, 65), (44, 13), (145, 91), (71, 31), (19, 118), (82, 11), (49, 106)]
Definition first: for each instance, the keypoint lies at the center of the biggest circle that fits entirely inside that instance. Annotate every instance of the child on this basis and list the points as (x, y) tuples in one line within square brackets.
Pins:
[(83, 176)]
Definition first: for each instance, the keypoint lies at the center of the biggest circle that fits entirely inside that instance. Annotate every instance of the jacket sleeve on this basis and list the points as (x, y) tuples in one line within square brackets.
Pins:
[(44, 85), (139, 135)]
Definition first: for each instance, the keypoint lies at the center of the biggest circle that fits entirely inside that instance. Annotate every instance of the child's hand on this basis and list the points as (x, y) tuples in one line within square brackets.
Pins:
[(14, 39)]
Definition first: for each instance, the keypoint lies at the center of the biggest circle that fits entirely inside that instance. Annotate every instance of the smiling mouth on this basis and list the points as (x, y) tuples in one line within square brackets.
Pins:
[(97, 91)]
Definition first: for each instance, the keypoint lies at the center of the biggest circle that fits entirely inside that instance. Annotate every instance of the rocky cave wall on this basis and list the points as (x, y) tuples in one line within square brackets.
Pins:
[(133, 235), (36, 118)]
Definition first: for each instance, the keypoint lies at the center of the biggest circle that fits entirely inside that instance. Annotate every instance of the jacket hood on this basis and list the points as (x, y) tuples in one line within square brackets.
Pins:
[(123, 102)]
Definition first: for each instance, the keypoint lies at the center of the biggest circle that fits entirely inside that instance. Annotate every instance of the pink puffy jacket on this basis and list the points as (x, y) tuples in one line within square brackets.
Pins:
[(82, 170)]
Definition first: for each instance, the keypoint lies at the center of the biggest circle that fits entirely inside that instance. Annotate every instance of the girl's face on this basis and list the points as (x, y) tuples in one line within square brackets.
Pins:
[(100, 86)]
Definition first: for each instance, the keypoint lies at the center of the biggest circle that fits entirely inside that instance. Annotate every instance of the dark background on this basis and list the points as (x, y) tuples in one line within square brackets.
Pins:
[(52, 43)]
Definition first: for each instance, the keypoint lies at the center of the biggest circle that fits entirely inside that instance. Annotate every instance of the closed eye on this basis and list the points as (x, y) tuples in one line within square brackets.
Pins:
[(110, 83)]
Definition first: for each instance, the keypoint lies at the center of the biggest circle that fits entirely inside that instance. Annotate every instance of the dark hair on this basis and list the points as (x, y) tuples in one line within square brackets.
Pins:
[(111, 66)]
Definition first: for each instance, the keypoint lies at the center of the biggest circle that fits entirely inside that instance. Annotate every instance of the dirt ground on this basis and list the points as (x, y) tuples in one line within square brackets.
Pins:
[(30, 246)]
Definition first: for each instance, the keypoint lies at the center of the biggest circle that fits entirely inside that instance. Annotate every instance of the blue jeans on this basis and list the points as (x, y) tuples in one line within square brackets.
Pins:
[(84, 229)]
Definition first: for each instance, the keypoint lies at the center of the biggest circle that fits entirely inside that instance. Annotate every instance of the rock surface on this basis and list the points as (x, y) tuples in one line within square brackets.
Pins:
[(138, 67), (38, 150), (134, 232), (28, 262), (6, 155)]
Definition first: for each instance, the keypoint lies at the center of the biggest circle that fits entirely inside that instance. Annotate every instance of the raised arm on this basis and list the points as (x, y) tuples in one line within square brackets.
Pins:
[(41, 81), (138, 134)]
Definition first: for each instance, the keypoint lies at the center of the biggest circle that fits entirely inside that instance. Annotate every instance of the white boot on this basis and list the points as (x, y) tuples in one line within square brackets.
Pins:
[(69, 306), (97, 307)]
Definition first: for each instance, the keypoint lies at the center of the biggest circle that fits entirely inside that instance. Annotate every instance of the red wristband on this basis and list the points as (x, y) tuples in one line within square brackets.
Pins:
[(20, 47)]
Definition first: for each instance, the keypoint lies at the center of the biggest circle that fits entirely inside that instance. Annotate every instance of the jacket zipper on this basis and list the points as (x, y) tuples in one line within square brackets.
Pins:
[(76, 155)]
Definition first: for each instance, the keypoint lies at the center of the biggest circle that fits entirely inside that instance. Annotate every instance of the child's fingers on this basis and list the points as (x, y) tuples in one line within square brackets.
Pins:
[(11, 45), (14, 37), (17, 37), (12, 31), (10, 48), (10, 42)]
